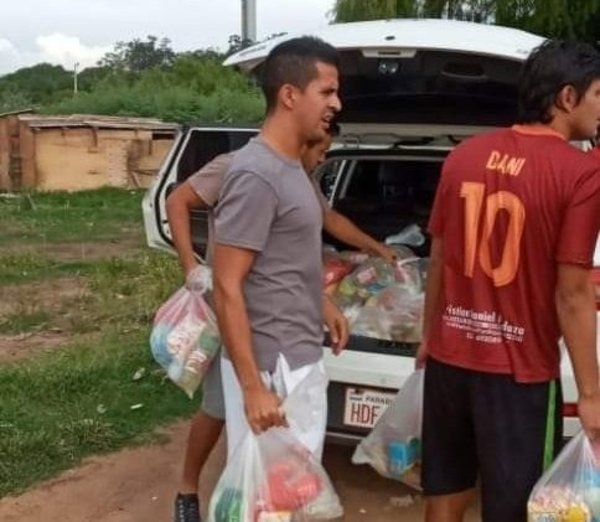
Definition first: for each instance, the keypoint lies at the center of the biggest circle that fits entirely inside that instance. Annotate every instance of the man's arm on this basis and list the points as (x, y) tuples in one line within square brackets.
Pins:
[(432, 295), (231, 266), (179, 205), (576, 309), (344, 230)]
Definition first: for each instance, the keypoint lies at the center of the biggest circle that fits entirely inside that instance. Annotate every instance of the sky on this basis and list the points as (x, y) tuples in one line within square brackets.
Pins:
[(64, 32)]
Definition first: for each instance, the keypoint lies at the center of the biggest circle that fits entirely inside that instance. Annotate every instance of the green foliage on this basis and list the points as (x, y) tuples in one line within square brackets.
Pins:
[(193, 88), (567, 19), (35, 85), (552, 18), (138, 55), (140, 78)]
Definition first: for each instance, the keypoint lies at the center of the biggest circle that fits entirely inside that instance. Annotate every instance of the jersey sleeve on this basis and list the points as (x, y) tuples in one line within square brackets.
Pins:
[(581, 221)]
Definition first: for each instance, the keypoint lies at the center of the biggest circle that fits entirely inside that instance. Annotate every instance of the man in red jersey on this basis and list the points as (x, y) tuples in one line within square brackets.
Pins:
[(514, 224)]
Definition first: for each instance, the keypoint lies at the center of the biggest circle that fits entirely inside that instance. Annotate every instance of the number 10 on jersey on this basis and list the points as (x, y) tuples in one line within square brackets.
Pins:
[(478, 238)]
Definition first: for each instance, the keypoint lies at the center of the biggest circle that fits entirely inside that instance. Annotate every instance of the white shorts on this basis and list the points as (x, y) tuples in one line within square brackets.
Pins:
[(283, 382)]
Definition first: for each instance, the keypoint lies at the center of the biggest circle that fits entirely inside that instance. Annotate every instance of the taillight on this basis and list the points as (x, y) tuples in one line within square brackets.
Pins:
[(569, 409)]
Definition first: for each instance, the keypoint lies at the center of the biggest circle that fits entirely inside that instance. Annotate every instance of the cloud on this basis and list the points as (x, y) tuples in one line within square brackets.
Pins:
[(6, 47), (61, 49)]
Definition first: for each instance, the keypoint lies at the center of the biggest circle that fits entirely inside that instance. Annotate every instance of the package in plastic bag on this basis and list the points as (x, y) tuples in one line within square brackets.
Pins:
[(375, 274), (272, 477), (394, 314), (185, 337), (335, 268), (570, 490), (393, 448)]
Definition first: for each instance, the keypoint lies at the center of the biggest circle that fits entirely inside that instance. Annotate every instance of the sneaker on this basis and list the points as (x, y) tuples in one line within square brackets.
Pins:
[(187, 508)]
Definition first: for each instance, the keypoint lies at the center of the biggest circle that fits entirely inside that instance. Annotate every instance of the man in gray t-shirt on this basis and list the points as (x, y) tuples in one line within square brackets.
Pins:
[(269, 206), (267, 256), (202, 190)]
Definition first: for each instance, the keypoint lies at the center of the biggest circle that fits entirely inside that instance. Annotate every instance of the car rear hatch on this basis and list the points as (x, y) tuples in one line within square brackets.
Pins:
[(420, 71)]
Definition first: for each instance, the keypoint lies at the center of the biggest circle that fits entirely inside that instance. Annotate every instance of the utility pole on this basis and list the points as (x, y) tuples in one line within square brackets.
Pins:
[(75, 71), (248, 21)]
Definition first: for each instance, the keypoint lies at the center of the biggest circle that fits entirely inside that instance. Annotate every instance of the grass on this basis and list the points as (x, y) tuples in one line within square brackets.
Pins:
[(59, 406), (24, 321), (93, 215), (16, 268), (65, 405)]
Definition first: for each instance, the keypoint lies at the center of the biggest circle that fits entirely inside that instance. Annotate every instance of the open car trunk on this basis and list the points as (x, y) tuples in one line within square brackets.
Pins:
[(382, 193)]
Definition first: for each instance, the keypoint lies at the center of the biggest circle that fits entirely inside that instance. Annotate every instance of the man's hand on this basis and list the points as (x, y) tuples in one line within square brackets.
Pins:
[(386, 252), (337, 324), (421, 356), (263, 410), (589, 414)]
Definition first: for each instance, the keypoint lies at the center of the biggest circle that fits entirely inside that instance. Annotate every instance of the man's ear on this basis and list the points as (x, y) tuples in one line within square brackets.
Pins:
[(567, 99), (288, 95)]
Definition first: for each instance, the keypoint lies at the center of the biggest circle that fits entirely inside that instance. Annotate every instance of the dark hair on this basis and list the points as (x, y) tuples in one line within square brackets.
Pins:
[(294, 62), (552, 66)]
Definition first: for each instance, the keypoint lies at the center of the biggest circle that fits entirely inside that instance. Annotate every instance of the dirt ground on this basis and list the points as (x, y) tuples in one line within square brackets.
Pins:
[(138, 485)]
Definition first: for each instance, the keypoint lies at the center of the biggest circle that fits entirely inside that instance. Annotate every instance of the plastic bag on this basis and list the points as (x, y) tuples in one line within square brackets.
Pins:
[(185, 337), (570, 490), (394, 314), (374, 275), (334, 269), (272, 477), (393, 448), (410, 235)]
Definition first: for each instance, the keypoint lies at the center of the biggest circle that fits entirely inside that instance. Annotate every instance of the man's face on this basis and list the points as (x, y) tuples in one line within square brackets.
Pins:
[(316, 105), (585, 115), (314, 154)]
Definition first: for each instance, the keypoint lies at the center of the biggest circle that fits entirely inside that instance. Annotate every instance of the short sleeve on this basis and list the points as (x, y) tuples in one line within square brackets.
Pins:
[(245, 212), (207, 182), (581, 220)]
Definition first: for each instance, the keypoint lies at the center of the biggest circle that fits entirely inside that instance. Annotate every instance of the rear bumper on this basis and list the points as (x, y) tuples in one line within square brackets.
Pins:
[(353, 368)]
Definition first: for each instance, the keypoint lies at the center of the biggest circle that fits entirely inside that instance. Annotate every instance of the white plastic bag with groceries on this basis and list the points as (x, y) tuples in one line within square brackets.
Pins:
[(273, 477), (185, 337), (570, 489), (393, 448)]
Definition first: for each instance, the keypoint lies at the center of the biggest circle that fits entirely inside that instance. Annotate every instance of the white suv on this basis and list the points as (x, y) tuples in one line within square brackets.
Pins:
[(412, 90)]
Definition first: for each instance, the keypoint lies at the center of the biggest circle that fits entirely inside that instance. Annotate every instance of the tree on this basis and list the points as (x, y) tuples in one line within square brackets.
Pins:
[(553, 18), (40, 83), (137, 55), (557, 18)]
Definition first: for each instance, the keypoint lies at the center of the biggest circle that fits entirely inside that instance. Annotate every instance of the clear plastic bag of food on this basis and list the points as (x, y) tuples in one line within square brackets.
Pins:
[(185, 337), (273, 477), (371, 277), (394, 314), (570, 490), (393, 448)]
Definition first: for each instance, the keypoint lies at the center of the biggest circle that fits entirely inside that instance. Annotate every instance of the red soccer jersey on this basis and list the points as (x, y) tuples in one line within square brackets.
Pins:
[(511, 205)]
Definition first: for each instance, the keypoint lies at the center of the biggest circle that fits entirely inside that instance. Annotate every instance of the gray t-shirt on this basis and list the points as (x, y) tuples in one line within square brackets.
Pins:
[(207, 183), (268, 205)]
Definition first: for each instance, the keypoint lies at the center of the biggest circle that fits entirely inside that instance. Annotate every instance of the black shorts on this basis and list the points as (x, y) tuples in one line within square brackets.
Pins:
[(487, 426)]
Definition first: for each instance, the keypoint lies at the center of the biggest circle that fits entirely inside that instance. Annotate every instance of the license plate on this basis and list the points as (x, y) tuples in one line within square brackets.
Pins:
[(364, 406)]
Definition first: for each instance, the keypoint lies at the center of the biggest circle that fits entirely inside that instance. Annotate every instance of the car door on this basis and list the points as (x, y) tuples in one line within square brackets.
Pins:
[(192, 149)]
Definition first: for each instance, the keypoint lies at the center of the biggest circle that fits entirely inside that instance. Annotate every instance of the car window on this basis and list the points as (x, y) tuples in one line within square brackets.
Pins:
[(328, 175)]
